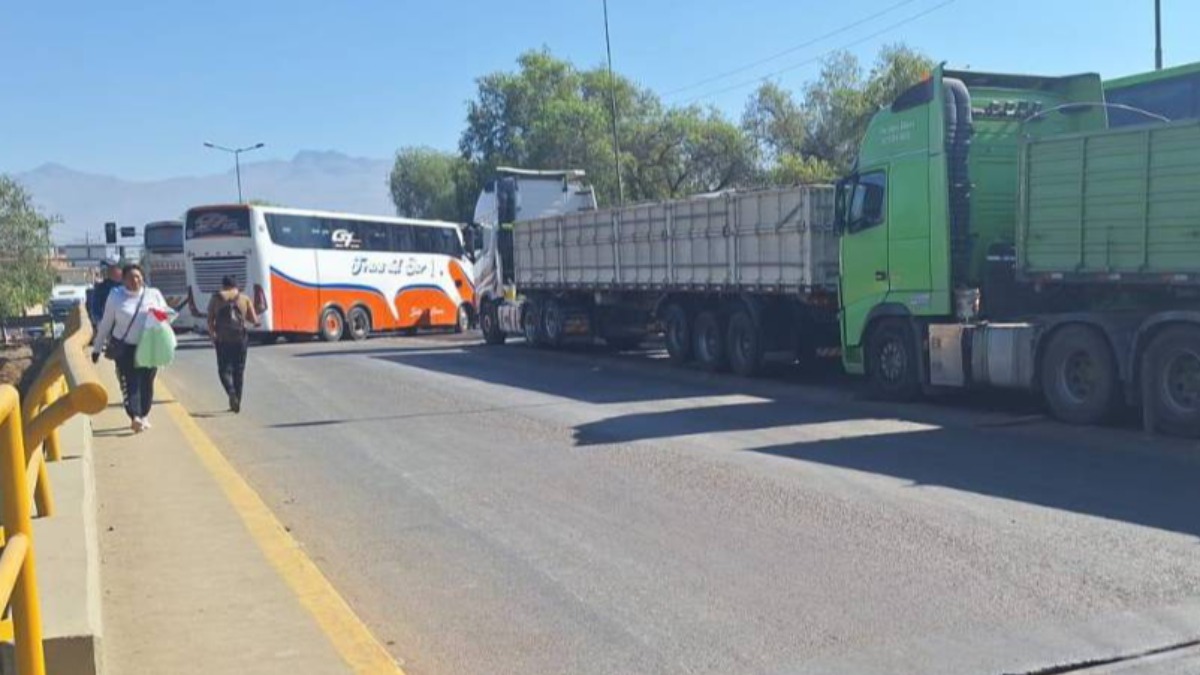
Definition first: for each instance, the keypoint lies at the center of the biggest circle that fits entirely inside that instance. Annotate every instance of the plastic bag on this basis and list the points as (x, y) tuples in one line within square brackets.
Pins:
[(157, 346)]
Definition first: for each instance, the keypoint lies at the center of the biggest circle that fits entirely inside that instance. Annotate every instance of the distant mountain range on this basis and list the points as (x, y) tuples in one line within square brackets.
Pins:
[(326, 180)]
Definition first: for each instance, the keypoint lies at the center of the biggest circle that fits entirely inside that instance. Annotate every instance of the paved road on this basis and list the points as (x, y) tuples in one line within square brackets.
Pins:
[(505, 510)]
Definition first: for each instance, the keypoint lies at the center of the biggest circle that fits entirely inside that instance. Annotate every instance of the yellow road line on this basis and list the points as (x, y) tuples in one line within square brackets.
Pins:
[(348, 634)]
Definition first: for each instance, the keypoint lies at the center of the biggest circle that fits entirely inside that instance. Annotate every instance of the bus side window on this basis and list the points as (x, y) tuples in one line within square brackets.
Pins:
[(424, 239), (374, 236), (402, 238)]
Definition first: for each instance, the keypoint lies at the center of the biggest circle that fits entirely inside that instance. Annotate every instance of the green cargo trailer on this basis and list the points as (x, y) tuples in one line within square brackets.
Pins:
[(1116, 206)]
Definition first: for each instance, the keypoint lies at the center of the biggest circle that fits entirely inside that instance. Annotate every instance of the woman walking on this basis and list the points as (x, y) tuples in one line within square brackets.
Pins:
[(118, 335)]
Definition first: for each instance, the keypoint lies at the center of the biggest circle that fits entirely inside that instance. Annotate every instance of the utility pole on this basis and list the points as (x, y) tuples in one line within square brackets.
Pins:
[(1158, 34), (612, 95)]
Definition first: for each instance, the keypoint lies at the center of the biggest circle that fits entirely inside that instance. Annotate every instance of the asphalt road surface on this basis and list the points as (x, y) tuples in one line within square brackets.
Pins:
[(507, 510)]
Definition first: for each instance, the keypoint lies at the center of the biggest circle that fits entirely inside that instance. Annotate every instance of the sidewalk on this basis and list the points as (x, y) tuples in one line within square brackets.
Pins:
[(187, 588)]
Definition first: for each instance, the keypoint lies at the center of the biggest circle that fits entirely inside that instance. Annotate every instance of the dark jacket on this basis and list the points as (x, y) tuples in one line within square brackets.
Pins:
[(99, 297)]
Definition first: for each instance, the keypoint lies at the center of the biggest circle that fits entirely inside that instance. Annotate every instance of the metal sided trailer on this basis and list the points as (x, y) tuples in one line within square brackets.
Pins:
[(727, 277)]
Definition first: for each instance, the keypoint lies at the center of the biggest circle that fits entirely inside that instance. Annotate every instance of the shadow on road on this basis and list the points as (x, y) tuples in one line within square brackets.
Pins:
[(1117, 480)]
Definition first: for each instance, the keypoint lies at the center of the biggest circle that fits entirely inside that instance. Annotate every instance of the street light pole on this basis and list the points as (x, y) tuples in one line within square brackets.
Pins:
[(237, 160), (612, 95), (1158, 34)]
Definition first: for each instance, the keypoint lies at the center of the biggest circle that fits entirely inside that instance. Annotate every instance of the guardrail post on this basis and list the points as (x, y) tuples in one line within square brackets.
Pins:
[(26, 612)]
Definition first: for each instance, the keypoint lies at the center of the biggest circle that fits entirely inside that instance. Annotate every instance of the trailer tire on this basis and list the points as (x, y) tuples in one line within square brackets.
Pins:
[(358, 324), (1079, 376), (1172, 372), (489, 324), (531, 324), (708, 342), (678, 334), (892, 364), (745, 344), (331, 324), (552, 321)]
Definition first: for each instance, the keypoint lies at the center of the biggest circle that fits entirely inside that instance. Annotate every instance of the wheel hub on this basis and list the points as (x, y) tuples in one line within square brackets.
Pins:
[(1181, 383), (1079, 376), (892, 361)]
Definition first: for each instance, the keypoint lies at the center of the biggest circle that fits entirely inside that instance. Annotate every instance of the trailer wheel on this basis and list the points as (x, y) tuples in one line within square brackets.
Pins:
[(678, 334), (358, 324), (1079, 376), (708, 342), (892, 365), (489, 324), (531, 323), (552, 323), (331, 325), (745, 344), (1172, 371)]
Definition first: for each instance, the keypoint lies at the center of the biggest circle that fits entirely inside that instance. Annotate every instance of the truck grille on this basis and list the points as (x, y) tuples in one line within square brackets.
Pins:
[(209, 272)]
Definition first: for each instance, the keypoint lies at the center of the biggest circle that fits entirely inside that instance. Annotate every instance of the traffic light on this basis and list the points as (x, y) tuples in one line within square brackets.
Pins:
[(110, 233)]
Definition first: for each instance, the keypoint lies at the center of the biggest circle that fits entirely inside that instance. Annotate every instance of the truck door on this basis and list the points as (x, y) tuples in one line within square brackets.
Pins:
[(864, 249)]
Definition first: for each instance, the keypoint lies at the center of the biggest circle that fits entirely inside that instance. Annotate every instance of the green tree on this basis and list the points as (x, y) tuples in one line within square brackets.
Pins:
[(426, 183), (839, 105), (25, 274), (775, 122)]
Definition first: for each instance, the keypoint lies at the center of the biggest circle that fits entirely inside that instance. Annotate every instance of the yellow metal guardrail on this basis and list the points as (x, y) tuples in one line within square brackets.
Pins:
[(66, 386), (22, 624)]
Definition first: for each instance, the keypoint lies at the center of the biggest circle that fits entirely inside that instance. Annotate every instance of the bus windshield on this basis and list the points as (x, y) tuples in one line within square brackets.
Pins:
[(218, 222), (164, 237)]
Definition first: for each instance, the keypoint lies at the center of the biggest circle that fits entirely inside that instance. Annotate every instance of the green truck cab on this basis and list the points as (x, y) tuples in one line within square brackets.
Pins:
[(989, 237)]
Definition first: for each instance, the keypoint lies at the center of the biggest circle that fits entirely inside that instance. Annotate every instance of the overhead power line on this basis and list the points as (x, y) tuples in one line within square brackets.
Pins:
[(818, 58), (791, 50)]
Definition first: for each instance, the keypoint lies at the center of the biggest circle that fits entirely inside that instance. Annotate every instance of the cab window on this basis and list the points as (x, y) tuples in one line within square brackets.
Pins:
[(868, 202)]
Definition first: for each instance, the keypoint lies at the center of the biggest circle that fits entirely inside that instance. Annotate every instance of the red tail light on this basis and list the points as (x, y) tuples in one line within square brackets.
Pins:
[(260, 299)]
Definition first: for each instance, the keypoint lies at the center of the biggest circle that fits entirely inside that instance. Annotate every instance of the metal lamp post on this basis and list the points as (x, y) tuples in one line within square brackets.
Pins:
[(237, 161)]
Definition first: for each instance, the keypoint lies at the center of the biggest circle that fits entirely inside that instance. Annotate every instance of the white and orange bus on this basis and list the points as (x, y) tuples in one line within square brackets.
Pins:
[(329, 274)]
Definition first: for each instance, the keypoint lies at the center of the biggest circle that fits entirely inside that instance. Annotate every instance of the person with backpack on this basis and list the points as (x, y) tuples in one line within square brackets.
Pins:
[(229, 312)]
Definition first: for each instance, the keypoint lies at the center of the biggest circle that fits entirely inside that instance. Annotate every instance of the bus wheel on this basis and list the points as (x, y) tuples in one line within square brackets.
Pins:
[(331, 325), (745, 344), (358, 324), (892, 361), (1079, 376), (1172, 372), (678, 334), (489, 324), (708, 342), (462, 321)]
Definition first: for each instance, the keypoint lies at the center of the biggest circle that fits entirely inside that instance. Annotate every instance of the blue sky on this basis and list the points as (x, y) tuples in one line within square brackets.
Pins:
[(133, 89)]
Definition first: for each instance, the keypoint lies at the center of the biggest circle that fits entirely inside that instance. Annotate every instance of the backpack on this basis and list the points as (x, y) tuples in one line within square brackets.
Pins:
[(231, 324)]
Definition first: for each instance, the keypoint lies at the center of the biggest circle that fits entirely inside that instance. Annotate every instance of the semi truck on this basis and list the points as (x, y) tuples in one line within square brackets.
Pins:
[(994, 233)]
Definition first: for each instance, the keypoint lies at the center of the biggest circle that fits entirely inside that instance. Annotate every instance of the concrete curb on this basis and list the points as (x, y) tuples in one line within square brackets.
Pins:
[(68, 558)]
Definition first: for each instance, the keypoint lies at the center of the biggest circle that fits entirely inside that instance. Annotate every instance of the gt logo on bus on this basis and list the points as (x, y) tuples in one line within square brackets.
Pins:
[(344, 239)]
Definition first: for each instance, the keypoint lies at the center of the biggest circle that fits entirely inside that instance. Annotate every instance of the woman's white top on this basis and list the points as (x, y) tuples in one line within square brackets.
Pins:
[(119, 315)]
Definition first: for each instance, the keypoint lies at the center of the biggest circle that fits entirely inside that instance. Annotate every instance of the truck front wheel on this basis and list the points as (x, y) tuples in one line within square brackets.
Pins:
[(489, 324), (708, 342), (1079, 376), (678, 334), (1172, 372), (892, 365), (745, 344)]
